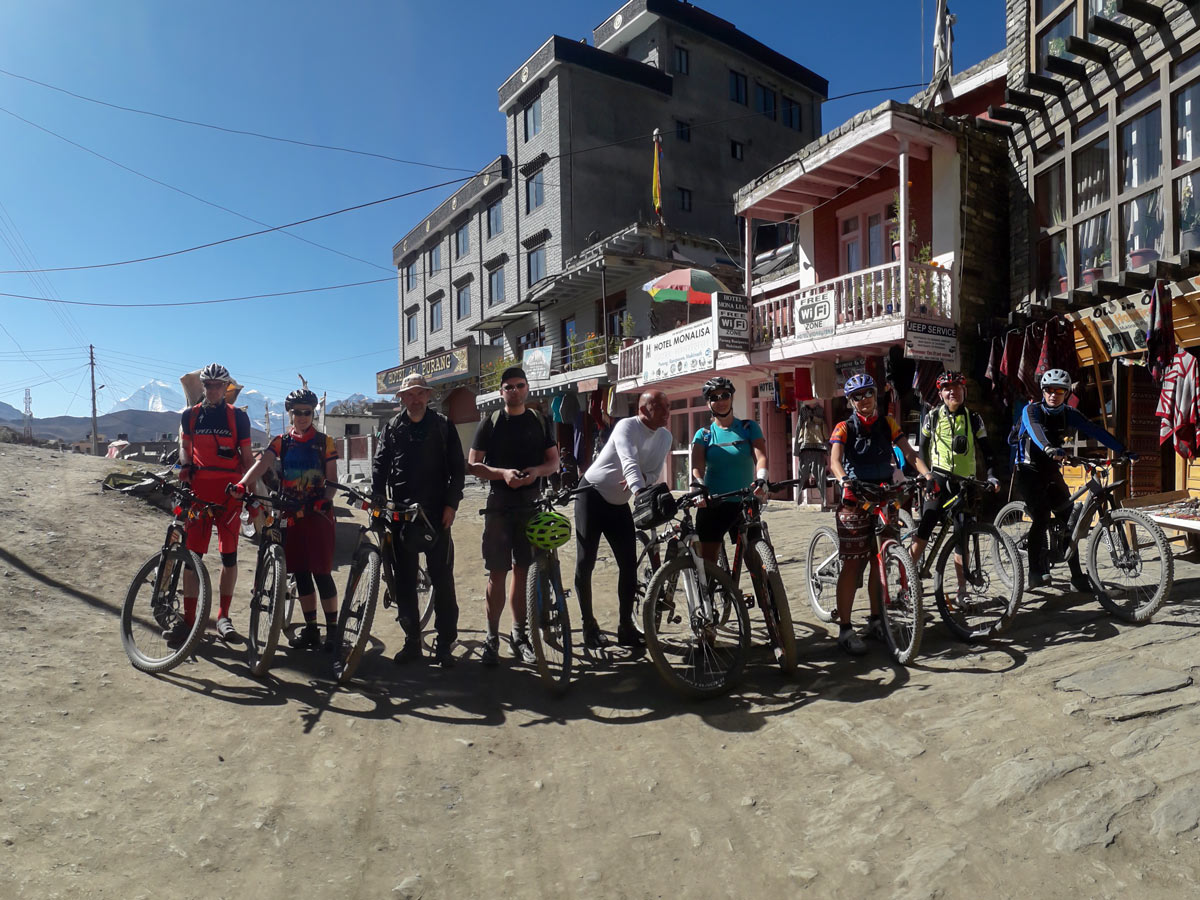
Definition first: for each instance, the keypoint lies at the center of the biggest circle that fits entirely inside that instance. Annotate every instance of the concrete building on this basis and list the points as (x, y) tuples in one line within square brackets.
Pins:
[(572, 173)]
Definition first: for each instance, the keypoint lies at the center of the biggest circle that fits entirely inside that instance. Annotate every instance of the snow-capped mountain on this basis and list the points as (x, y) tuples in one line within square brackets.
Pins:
[(154, 396), (256, 406)]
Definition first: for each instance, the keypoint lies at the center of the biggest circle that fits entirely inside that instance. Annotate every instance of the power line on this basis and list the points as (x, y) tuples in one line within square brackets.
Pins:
[(332, 287)]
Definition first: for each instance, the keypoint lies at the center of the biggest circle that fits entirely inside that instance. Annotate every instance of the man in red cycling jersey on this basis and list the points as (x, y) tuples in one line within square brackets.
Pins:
[(214, 451)]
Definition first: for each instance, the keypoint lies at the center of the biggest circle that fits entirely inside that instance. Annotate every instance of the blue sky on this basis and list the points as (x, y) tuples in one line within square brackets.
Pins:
[(412, 80)]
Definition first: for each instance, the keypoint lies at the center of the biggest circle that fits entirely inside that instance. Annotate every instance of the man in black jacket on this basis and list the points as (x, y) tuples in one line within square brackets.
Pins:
[(420, 460)]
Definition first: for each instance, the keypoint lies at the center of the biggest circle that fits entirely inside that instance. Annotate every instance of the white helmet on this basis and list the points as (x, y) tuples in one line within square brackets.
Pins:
[(1056, 378), (215, 372)]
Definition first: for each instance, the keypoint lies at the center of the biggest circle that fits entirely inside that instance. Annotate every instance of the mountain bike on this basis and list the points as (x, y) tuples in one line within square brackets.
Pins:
[(979, 577), (697, 629), (546, 612), (1128, 559), (370, 562), (154, 601), (899, 585)]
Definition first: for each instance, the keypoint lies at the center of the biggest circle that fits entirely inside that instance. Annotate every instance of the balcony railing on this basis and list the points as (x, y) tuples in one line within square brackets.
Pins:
[(860, 299), (575, 356)]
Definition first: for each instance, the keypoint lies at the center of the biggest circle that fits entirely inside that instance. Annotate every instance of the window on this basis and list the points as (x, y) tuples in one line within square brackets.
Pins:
[(1091, 176), (464, 301), (681, 60), (1187, 123), (495, 219), (536, 262), (496, 339), (790, 113), (735, 149), (1053, 40), (533, 118), (496, 287), (529, 339), (1142, 229), (764, 100), (462, 241), (851, 240), (435, 258), (1141, 149), (737, 87), (435, 316), (410, 276), (352, 430), (683, 131), (535, 191), (410, 328), (1092, 254), (569, 334), (685, 199), (1050, 190)]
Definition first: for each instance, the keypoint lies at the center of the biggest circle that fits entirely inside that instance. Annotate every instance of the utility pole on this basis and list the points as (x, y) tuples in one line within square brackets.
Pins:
[(92, 363), (27, 434), (267, 417)]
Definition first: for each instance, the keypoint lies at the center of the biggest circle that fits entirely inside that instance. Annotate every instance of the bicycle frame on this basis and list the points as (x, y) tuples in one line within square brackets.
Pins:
[(957, 515), (1099, 500)]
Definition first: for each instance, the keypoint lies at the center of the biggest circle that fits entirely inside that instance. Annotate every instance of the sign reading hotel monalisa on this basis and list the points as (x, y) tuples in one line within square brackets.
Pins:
[(732, 313), (687, 349)]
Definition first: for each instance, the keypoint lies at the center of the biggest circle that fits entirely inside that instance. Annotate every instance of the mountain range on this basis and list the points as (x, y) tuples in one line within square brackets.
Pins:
[(162, 396)]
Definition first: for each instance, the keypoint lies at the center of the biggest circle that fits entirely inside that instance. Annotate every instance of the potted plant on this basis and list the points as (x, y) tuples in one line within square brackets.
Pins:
[(1097, 269), (627, 337), (1189, 217), (1057, 46), (1146, 231), (894, 230)]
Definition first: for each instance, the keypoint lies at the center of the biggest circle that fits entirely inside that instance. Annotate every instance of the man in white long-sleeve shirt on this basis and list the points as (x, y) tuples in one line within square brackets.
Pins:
[(630, 462)]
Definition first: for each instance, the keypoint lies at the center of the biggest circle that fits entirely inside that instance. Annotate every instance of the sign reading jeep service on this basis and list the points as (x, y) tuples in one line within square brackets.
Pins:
[(815, 315), (931, 339), (687, 349), (732, 313)]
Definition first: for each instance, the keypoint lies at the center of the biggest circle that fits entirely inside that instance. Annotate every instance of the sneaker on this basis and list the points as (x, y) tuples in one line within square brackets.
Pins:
[(1038, 579), (521, 647), (410, 652), (629, 636), (490, 654), (309, 638), (851, 642), (874, 629), (593, 639), (225, 630), (1081, 583), (332, 640), (177, 635), (443, 655)]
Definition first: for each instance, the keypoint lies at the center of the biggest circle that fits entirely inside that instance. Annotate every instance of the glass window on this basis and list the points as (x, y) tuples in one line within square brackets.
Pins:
[(535, 192), (1141, 95), (410, 276), (1142, 229), (410, 327), (875, 240), (685, 199), (1141, 149), (681, 60), (1052, 265), (1053, 41), (849, 225), (464, 301), (764, 100), (462, 241), (1187, 211), (853, 258), (496, 339), (1189, 63), (435, 315), (1187, 123), (569, 333), (435, 258), (737, 87), (495, 219), (1091, 176), (1050, 189), (1091, 126), (683, 131), (790, 113), (537, 265), (496, 287), (1106, 9), (1093, 254), (533, 118), (735, 149)]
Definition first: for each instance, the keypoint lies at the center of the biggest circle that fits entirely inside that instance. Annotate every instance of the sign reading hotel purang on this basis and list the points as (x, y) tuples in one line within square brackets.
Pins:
[(447, 366)]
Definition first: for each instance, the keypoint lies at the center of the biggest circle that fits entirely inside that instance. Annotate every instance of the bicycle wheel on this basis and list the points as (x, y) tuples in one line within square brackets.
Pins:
[(992, 583), (903, 618), (648, 561), (907, 526), (1131, 565), (822, 571), (1013, 520), (773, 601), (357, 613), (154, 604), (549, 624), (424, 596), (696, 654), (267, 609)]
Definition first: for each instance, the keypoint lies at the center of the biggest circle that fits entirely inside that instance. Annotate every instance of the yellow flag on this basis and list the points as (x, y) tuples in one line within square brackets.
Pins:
[(656, 185)]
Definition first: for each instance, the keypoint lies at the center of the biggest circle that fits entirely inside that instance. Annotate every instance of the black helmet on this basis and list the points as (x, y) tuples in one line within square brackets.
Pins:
[(718, 383), (215, 372), (300, 397)]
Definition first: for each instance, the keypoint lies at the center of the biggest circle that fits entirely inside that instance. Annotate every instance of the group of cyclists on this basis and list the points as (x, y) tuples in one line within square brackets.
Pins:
[(419, 459)]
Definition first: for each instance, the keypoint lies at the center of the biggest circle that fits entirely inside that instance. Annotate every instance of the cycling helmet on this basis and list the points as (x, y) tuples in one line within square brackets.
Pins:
[(548, 530), (1056, 378), (718, 383), (948, 378), (300, 397), (215, 372), (856, 383)]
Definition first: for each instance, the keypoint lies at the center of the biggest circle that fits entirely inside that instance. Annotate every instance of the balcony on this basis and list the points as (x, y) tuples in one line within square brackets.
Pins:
[(577, 361)]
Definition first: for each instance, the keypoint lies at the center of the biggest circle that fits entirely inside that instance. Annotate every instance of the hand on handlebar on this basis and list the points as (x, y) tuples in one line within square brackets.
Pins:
[(187, 473), (760, 486), (993, 483), (1056, 453), (236, 491), (700, 492), (1132, 457)]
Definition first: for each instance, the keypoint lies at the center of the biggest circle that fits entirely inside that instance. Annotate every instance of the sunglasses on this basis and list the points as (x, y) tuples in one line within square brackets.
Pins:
[(1055, 391), (514, 387), (861, 395), (214, 384), (718, 396), (302, 412)]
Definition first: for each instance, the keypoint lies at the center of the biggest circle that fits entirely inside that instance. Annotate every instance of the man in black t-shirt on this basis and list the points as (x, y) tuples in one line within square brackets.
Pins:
[(514, 450)]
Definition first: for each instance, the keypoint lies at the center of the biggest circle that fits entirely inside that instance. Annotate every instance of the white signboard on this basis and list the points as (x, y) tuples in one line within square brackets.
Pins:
[(815, 315), (1122, 324), (732, 313), (931, 339), (536, 363), (687, 349)]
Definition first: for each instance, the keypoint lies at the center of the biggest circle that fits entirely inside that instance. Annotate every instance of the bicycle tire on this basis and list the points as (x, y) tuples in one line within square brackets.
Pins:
[(424, 590), (995, 581), (1124, 604), (773, 602), (357, 613), (1013, 520), (145, 617), (908, 526), (903, 617), (822, 569), (549, 626), (648, 560), (699, 659), (268, 606)]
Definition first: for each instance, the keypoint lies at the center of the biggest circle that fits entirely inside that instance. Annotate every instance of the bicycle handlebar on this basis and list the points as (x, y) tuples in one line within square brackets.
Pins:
[(770, 488)]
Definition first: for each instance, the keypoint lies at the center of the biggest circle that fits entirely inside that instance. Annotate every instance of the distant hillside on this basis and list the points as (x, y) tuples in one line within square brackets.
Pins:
[(139, 424), (10, 412)]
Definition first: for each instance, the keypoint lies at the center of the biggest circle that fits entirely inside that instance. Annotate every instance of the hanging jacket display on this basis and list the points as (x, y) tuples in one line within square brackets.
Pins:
[(1010, 361), (1058, 349), (1160, 333), (1031, 351), (992, 374), (1179, 404), (925, 380)]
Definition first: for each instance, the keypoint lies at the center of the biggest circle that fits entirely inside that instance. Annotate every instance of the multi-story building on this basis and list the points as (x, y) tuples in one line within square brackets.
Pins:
[(576, 170)]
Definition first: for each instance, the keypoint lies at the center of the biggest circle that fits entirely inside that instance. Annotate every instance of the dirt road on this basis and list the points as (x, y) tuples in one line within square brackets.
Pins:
[(1060, 762)]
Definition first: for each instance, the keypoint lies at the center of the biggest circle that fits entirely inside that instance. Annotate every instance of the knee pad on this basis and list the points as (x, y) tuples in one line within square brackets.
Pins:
[(304, 583), (228, 560), (325, 586)]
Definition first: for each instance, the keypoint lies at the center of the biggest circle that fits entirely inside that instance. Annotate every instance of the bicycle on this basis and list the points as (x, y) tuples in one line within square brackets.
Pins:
[(371, 561), (146, 617), (900, 587), (698, 642), (1116, 550), (546, 613), (986, 596)]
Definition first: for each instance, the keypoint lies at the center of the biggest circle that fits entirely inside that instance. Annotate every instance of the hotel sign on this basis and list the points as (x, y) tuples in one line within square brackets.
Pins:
[(687, 349), (449, 366), (732, 313)]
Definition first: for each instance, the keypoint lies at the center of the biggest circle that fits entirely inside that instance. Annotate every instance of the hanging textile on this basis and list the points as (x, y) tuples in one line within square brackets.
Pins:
[(1160, 333), (992, 374), (802, 379), (1010, 362), (1058, 349), (1179, 404), (1031, 350), (925, 379), (824, 379)]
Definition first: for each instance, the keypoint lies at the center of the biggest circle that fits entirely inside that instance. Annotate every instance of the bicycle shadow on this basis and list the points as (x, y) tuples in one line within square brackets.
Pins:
[(37, 575)]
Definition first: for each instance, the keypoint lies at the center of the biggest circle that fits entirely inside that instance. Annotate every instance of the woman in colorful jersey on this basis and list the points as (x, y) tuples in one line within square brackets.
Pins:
[(861, 450), (307, 461)]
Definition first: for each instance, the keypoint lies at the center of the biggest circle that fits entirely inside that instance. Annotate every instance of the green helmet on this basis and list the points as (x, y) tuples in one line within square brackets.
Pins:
[(548, 530)]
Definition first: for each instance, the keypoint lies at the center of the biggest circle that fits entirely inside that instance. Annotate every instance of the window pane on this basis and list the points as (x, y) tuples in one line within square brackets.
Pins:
[(1142, 229), (496, 287), (1104, 8), (875, 240), (681, 60), (1093, 256), (1187, 120), (1052, 265), (495, 219), (1050, 189), (1091, 176), (852, 257), (1141, 149), (435, 316), (464, 301), (1187, 211), (1053, 41), (850, 225)]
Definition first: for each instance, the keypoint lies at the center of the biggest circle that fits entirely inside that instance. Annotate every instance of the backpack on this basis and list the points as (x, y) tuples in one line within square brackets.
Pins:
[(739, 426), (231, 418), (494, 418)]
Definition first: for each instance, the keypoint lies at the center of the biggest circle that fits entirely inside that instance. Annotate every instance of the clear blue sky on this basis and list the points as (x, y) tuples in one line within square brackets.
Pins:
[(415, 80)]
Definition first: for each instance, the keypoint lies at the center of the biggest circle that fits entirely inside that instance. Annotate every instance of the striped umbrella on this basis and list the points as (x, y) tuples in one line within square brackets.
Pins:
[(685, 286)]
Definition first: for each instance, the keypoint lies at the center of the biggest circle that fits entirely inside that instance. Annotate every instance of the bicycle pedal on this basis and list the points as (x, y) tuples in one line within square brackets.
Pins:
[(748, 601)]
